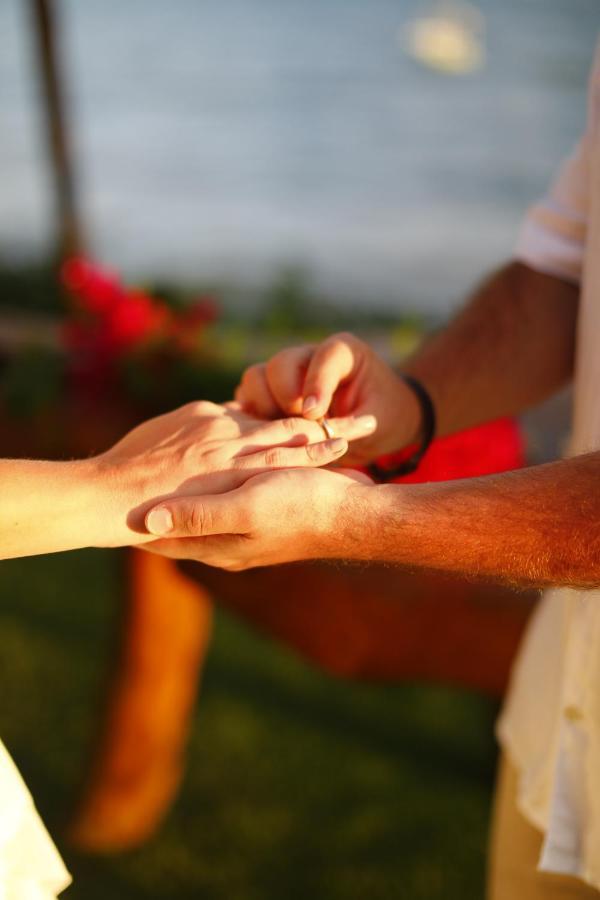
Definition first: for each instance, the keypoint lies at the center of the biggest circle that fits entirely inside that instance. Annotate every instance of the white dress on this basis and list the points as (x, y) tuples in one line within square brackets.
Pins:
[(30, 865)]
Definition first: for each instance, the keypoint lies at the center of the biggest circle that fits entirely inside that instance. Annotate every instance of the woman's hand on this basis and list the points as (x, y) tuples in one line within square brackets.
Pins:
[(206, 448), (342, 376)]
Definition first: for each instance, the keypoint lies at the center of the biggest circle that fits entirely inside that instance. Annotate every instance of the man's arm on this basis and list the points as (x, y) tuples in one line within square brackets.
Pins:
[(511, 348), (536, 526)]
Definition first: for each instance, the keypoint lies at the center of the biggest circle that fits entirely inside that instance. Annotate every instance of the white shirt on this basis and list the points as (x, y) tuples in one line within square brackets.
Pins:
[(30, 867), (550, 726)]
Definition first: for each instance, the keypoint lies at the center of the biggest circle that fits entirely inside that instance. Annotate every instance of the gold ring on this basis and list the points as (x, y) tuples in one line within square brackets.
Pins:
[(329, 432)]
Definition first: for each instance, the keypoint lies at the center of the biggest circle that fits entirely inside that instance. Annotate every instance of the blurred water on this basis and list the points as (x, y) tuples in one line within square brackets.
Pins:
[(229, 138)]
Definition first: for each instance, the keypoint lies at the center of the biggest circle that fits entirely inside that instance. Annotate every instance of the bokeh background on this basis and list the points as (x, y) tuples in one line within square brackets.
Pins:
[(226, 140), (311, 169)]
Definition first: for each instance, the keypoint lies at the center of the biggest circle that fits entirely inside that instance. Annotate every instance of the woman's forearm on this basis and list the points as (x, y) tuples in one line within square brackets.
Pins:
[(51, 506), (537, 526)]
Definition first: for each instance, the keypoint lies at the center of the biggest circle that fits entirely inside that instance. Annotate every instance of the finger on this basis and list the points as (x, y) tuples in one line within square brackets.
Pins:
[(283, 431), (321, 454), (353, 428), (198, 516), (221, 551), (285, 374), (178, 548), (330, 365), (239, 396), (254, 394)]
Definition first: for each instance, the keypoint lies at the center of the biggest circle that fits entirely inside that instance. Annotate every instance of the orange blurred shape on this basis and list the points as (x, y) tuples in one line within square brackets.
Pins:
[(139, 760)]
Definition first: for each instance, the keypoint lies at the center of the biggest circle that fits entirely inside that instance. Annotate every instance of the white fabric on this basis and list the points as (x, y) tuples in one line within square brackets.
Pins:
[(30, 865), (550, 726)]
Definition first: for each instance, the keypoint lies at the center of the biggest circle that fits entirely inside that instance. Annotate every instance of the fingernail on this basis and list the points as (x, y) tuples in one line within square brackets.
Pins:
[(159, 521), (337, 445), (366, 423), (309, 404)]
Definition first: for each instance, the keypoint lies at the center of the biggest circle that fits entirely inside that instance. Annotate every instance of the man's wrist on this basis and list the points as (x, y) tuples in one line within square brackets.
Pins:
[(408, 426), (362, 516)]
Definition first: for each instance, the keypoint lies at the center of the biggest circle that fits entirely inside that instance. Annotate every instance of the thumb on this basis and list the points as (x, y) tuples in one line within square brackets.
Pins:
[(196, 516), (330, 365)]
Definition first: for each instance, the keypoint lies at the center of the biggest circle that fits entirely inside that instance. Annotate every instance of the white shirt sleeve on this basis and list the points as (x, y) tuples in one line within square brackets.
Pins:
[(552, 238)]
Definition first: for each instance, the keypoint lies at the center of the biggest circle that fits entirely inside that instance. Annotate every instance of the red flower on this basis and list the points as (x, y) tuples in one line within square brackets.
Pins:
[(111, 320), (97, 290), (134, 319)]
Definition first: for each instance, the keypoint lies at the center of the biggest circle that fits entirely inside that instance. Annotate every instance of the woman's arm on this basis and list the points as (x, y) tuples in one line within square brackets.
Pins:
[(47, 506), (51, 506)]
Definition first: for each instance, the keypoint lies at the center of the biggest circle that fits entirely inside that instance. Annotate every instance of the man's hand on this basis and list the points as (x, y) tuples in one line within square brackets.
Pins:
[(535, 526), (273, 518), (342, 376)]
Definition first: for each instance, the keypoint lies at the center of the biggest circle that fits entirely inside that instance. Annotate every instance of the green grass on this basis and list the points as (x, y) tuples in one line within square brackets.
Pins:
[(298, 786)]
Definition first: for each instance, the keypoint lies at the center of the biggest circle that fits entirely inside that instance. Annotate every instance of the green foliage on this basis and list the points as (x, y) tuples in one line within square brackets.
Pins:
[(30, 288), (31, 381), (156, 384), (291, 307), (288, 307), (297, 785)]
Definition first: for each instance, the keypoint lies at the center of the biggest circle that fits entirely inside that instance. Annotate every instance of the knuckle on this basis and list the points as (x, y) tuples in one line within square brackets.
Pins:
[(194, 520), (252, 373), (345, 337), (276, 361), (314, 452), (293, 425), (340, 344), (273, 457), (251, 519), (281, 360), (202, 408)]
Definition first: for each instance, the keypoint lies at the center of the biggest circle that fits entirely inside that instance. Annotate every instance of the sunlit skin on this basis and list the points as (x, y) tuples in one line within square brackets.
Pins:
[(102, 501), (511, 347)]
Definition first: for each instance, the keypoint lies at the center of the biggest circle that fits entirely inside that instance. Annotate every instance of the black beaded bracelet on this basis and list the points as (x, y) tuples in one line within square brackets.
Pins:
[(408, 465)]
